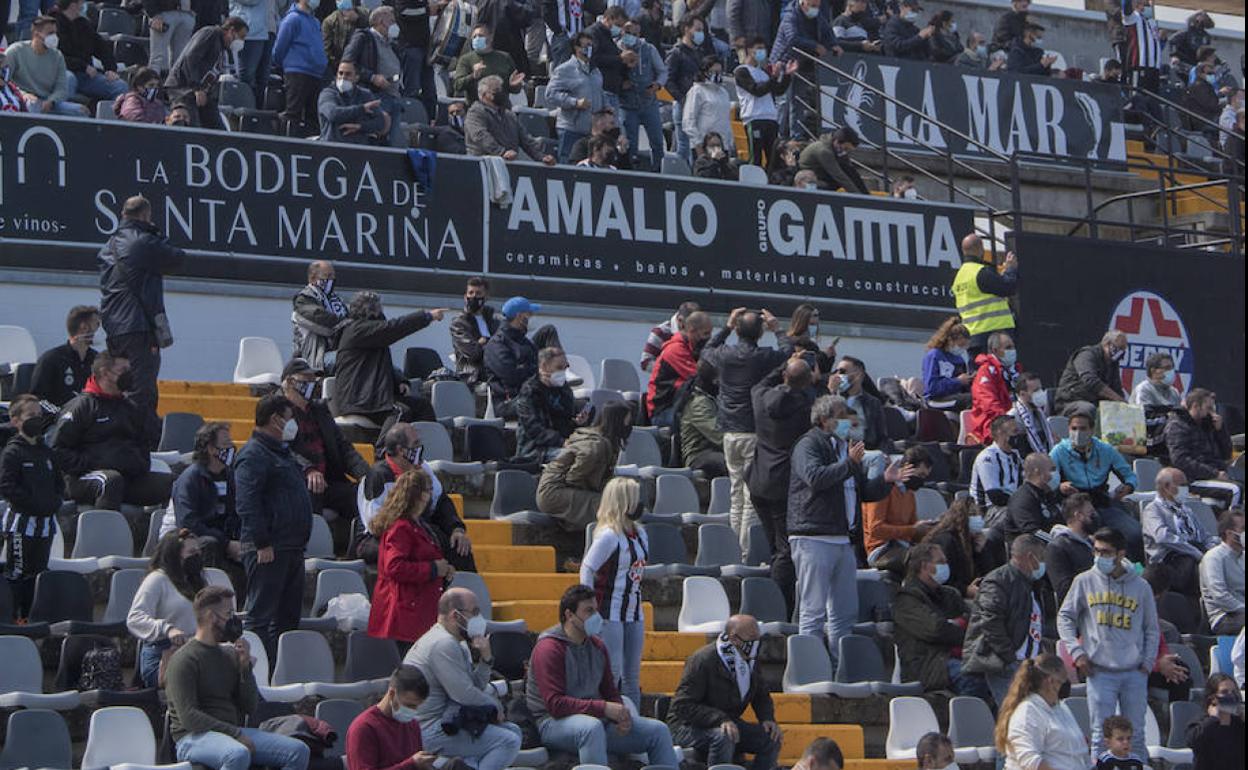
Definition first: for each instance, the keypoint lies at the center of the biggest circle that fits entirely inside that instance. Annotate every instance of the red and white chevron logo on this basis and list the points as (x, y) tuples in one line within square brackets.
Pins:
[(1152, 325)]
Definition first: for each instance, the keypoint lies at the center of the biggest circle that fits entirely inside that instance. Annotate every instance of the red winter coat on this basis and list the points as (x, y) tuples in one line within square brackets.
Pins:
[(676, 364), (990, 395), (405, 599)]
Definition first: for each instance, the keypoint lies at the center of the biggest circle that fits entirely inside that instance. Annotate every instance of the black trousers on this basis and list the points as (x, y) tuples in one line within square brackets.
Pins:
[(762, 135), (274, 596), (710, 462), (773, 515), (301, 94), (109, 489), (1184, 573), (28, 556), (144, 356)]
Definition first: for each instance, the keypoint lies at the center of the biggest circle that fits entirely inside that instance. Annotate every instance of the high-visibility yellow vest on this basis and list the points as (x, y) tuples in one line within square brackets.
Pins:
[(981, 312)]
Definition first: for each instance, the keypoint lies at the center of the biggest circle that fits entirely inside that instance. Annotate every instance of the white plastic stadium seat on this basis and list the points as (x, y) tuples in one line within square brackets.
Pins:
[(290, 693), (1157, 751), (909, 719), (17, 346), (259, 362), (703, 606), (119, 734), (578, 367)]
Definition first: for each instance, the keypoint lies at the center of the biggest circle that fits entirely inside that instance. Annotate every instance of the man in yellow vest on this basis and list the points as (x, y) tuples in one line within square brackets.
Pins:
[(980, 294)]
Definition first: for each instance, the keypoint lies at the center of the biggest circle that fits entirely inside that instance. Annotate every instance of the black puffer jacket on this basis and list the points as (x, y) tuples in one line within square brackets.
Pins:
[(271, 495), (1001, 616), (97, 432), (132, 265), (741, 367), (465, 338), (510, 360), (365, 381), (1198, 450), (547, 417)]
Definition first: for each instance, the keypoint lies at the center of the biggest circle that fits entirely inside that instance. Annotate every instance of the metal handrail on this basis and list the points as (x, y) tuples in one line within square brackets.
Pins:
[(1173, 105), (1144, 194)]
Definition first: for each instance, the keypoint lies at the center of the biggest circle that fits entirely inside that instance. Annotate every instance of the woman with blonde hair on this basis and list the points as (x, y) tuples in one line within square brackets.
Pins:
[(946, 381), (410, 565), (1035, 730), (612, 567)]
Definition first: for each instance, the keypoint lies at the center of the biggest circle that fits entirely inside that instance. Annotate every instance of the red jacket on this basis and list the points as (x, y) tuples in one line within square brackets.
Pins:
[(676, 364), (990, 395), (405, 599)]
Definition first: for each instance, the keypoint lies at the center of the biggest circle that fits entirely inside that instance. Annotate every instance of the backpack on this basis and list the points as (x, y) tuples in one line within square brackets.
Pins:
[(101, 669)]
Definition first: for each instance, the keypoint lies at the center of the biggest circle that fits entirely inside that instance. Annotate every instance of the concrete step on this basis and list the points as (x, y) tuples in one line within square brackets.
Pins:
[(661, 675), (671, 645), (520, 586), (798, 736), (514, 558), (173, 388)]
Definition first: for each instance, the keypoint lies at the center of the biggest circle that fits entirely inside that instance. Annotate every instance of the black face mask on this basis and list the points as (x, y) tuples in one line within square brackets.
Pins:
[(474, 304), (193, 565), (125, 382), (915, 483), (33, 428), (612, 133), (232, 631)]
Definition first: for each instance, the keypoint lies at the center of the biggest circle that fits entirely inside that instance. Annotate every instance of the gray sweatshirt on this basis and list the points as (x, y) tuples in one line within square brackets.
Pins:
[(569, 83), (41, 74), (1112, 620), (453, 680), (1222, 582)]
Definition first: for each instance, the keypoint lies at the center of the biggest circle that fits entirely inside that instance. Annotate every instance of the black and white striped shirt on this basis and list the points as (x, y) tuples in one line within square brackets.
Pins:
[(995, 469), (1144, 47), (612, 567)]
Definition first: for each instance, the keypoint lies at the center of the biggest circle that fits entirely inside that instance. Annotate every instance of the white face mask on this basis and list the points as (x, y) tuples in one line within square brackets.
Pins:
[(403, 714), (236, 47), (290, 430), (475, 629), (950, 766), (344, 85), (910, 194), (1040, 399), (559, 378), (393, 31), (52, 41)]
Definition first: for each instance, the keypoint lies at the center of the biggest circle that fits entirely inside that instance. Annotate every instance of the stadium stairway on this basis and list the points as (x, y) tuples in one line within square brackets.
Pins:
[(1186, 203)]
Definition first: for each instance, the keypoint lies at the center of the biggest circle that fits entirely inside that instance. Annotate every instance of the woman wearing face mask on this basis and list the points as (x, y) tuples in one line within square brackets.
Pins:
[(571, 486), (946, 381), (1217, 738), (1158, 395), (712, 161), (1031, 409), (707, 107), (612, 566), (996, 371), (161, 615), (804, 323), (1035, 730), (960, 534), (410, 566), (142, 103), (945, 44), (786, 168)]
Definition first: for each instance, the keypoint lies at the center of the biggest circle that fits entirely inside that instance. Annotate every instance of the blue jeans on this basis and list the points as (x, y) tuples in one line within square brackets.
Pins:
[(682, 141), (73, 109), (624, 645), (149, 661), (27, 10), (1109, 691), (221, 752), (254, 64), (647, 116), (611, 100), (593, 739), (566, 140), (418, 80), (98, 87), (494, 750), (999, 684), (971, 685), (827, 589)]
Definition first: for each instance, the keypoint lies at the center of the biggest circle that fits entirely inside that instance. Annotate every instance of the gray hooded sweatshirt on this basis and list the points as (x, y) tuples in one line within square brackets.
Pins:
[(567, 679), (1111, 620)]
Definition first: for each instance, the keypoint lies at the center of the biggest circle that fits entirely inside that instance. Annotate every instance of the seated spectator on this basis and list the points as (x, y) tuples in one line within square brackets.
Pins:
[(449, 137), (80, 44), (697, 414), (934, 751), (455, 656), (1027, 55), (546, 409), (1222, 576), (945, 378), (31, 482), (904, 188), (1173, 535), (758, 84), (1010, 25), (1226, 120), (659, 335), (1034, 727), (991, 392), (711, 160), (388, 734), (603, 124), (211, 688), (575, 89), (1070, 550), (1157, 395), (38, 69), (997, 472), (192, 80), (471, 330), (1199, 445), (299, 50), (161, 615), (902, 37), (997, 61), (411, 568), (1034, 506), (945, 44), (857, 29), (338, 28), (677, 362), (492, 129), (142, 103), (100, 443), (1111, 73), (891, 525), (172, 25), (319, 317), (202, 501), (1092, 373), (376, 54), (366, 382), (1217, 737), (930, 620), (1168, 672), (1030, 409), (479, 63), (349, 112), (179, 116), (821, 754), (849, 380), (707, 108), (62, 371), (572, 695), (510, 356), (719, 681), (570, 488), (975, 55), (785, 172), (828, 156), (1084, 463), (600, 150), (962, 537)]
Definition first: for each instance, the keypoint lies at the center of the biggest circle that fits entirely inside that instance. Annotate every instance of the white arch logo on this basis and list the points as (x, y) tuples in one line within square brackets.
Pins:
[(27, 136)]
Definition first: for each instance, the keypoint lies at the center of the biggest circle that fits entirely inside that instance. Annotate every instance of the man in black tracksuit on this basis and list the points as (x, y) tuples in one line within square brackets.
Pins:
[(32, 483), (62, 371), (275, 511), (132, 265)]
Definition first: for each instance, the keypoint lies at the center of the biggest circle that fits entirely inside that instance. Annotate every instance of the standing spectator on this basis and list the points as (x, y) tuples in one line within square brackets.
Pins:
[(1157, 395), (1108, 623), (142, 103), (1035, 729), (1091, 374), (858, 29), (711, 161), (38, 69), (1012, 615), (1173, 535), (575, 88), (1030, 409), (1217, 738), (975, 55), (62, 371), (891, 525), (931, 623), (546, 409), (339, 27), (132, 308), (1186, 45), (639, 103), (256, 59), (192, 81), (960, 534), (828, 156), (1070, 551), (613, 566), (416, 19), (212, 689), (609, 57), (980, 294), (510, 356), (350, 113), (172, 24), (945, 378), (741, 367), (492, 129), (571, 485), (318, 317), (758, 84), (684, 62), (455, 657), (31, 482), (572, 696), (945, 45), (564, 19), (388, 734), (375, 53), (471, 331), (300, 51), (719, 681), (1010, 25), (707, 106), (1202, 98), (508, 19), (410, 565), (749, 20), (659, 335), (1027, 55), (902, 37), (849, 380), (202, 499), (1222, 576), (827, 485), (997, 471), (474, 66), (161, 615), (1198, 444), (805, 28), (1144, 50), (1034, 505), (80, 44), (271, 496)]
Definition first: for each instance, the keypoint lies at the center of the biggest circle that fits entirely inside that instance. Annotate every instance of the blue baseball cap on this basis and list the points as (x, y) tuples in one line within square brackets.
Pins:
[(517, 305)]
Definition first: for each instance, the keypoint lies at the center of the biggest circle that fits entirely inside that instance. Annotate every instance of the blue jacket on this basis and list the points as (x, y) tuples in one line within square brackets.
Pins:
[(271, 496), (1091, 473), (195, 497), (299, 46), (939, 372), (797, 31)]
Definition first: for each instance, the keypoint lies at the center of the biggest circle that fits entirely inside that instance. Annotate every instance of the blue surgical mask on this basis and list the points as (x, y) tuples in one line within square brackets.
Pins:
[(844, 385), (811, 12), (345, 5), (760, 55), (1106, 564), (1039, 42), (856, 433), (479, 43), (942, 574), (1038, 572), (403, 714), (699, 37), (842, 429), (910, 16), (976, 524), (314, 4), (593, 624), (616, 31), (1009, 357), (628, 40), (1167, 377), (981, 50)]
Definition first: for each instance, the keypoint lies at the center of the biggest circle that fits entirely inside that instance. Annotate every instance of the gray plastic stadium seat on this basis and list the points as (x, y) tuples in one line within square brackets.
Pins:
[(674, 165), (339, 713), (675, 494), (860, 662), (319, 552), (719, 546), (1182, 714), (122, 587), (304, 657), (106, 536), (515, 499), (1079, 709), (36, 738), (331, 583), (641, 457), (761, 597), (456, 407), (808, 669), (971, 726), (64, 600), (875, 602), (618, 374), (475, 583), (370, 659), (757, 549), (438, 450), (21, 679), (721, 496), (668, 555)]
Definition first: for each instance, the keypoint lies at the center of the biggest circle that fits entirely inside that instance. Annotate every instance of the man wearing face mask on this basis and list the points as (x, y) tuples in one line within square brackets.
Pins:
[(1034, 505), (998, 471), (1199, 445), (1108, 623), (1027, 55), (805, 27), (510, 356), (976, 54), (318, 317), (1222, 576), (991, 391), (38, 69), (492, 129), (349, 112), (388, 735), (719, 681), (1012, 615), (1173, 535), (300, 52), (546, 409), (572, 695), (857, 29), (604, 124), (202, 500), (1069, 553), (684, 62), (828, 157), (455, 657), (1030, 408), (271, 494), (449, 137), (676, 363), (338, 28), (211, 689), (62, 371), (481, 61), (1093, 374), (902, 37), (848, 381), (576, 89), (31, 481), (980, 294), (472, 329), (758, 83), (375, 53), (931, 625), (192, 80), (609, 57), (889, 526)]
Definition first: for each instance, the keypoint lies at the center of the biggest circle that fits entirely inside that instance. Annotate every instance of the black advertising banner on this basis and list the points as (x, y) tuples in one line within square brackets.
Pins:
[(1187, 303), (1063, 119)]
